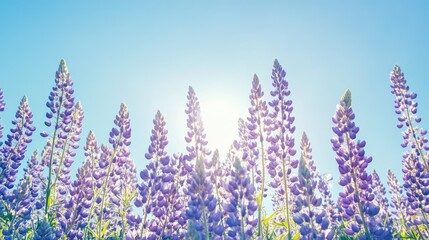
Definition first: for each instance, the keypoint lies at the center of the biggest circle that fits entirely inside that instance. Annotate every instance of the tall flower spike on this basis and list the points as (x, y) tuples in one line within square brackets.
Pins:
[(258, 131), (327, 201), (115, 165), (218, 179), (398, 203), (308, 212), (14, 148), (2, 106), (202, 212), (380, 199), (416, 186), (249, 159), (80, 205), (357, 198), (62, 116), (281, 150), (406, 108), (158, 192), (196, 138), (240, 205), (383, 217), (25, 204)]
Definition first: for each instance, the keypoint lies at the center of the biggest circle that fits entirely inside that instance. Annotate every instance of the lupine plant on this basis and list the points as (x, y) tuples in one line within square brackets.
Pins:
[(309, 214), (199, 194), (281, 151), (258, 131)]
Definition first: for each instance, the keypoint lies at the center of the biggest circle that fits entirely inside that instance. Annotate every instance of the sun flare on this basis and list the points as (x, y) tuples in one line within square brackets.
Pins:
[(220, 116)]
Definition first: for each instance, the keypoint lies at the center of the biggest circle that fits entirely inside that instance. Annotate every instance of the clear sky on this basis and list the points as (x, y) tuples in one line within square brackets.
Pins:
[(147, 53)]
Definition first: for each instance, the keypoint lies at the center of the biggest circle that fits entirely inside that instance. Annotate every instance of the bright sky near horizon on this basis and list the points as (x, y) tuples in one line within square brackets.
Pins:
[(147, 53)]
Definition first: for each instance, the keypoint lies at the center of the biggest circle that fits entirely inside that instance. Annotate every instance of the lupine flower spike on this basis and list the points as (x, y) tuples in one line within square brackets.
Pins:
[(357, 196), (281, 151), (312, 219), (202, 211), (258, 121), (406, 108), (14, 148)]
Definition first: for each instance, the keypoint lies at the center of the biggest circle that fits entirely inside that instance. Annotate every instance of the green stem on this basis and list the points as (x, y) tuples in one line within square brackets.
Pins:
[(263, 178), (51, 157), (64, 150), (416, 141)]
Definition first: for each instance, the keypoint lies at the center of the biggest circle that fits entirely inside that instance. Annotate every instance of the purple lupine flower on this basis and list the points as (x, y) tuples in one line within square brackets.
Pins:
[(328, 203), (170, 225), (78, 208), (383, 217), (125, 190), (68, 142), (381, 200), (24, 203), (64, 151), (406, 108), (398, 202), (117, 179), (159, 193), (151, 176), (66, 119), (196, 138), (357, 197), (219, 179), (309, 214), (2, 106), (92, 171), (258, 131), (281, 151), (14, 148), (416, 186), (202, 205), (202, 211), (247, 154), (240, 204)]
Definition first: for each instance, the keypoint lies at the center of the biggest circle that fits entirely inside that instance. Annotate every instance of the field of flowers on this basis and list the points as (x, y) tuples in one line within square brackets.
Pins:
[(197, 195)]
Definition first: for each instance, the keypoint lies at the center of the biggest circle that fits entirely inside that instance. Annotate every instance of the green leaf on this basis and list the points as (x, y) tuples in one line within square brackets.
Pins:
[(267, 219), (296, 237), (106, 225)]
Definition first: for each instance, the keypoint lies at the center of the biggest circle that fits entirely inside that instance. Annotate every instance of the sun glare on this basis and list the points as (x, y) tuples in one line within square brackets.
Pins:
[(220, 116)]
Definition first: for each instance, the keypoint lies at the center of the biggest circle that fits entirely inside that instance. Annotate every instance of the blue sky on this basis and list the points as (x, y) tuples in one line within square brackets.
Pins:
[(147, 53)]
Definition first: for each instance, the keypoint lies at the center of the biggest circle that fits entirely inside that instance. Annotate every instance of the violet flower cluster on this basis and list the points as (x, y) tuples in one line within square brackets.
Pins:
[(240, 205), (14, 148), (281, 151), (159, 192), (308, 213), (357, 197), (258, 124), (406, 108), (118, 180), (66, 118), (24, 203), (81, 202), (202, 212), (415, 158)]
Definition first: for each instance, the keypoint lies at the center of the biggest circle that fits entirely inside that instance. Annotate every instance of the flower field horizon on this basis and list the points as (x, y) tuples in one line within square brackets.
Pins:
[(267, 187)]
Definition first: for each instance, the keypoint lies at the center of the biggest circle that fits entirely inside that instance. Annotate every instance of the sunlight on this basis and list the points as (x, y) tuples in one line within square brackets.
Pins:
[(220, 117)]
